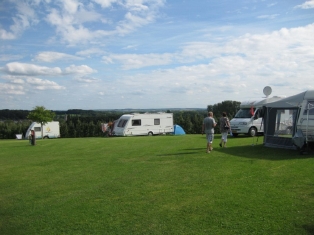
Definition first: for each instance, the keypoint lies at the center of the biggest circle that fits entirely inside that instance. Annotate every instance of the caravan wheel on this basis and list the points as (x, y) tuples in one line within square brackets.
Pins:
[(150, 133)]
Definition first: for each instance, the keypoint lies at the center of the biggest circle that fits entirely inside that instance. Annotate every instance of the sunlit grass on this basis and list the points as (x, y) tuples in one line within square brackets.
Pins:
[(154, 185)]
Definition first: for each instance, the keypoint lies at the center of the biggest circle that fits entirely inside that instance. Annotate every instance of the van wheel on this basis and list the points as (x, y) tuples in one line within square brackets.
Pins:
[(252, 132), (150, 133), (235, 134), (46, 137)]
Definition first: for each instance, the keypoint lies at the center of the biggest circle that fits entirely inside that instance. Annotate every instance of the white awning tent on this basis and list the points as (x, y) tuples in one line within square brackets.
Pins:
[(276, 134), (289, 102)]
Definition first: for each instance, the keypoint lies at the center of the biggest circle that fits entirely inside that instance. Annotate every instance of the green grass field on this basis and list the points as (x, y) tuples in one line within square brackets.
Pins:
[(154, 185)]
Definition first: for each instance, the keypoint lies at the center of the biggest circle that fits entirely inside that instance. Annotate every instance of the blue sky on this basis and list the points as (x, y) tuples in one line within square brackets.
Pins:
[(114, 54)]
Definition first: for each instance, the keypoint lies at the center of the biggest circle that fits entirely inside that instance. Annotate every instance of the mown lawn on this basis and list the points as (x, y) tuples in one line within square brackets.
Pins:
[(154, 185)]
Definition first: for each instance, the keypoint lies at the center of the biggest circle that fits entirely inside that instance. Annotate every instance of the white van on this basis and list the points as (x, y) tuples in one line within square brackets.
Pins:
[(50, 130), (247, 120), (143, 124)]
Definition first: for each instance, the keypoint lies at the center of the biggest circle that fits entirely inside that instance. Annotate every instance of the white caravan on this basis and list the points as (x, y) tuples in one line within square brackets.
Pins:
[(304, 136), (305, 122), (50, 130), (143, 124)]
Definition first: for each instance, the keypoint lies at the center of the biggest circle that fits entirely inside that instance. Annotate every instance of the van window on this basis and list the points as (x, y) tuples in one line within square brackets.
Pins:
[(157, 121), (244, 113), (310, 106), (122, 122), (136, 122), (37, 128)]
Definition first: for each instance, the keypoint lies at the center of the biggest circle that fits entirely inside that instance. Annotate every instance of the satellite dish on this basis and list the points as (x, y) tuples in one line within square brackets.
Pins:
[(267, 90)]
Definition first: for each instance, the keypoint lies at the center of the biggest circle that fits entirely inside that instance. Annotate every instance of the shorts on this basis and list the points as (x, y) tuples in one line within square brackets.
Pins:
[(224, 136), (210, 138)]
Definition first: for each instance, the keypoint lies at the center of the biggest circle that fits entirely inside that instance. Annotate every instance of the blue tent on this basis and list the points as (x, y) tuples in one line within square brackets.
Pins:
[(178, 130)]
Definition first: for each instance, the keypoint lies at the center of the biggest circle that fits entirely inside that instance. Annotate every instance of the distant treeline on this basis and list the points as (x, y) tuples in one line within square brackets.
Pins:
[(17, 115), (75, 123)]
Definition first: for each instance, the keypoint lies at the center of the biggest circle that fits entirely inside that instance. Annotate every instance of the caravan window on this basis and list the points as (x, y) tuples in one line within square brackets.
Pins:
[(310, 106), (122, 122), (157, 121), (37, 129), (136, 122)]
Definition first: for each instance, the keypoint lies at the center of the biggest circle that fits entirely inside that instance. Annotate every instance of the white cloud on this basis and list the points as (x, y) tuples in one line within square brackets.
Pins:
[(129, 47), (16, 68), (81, 69), (135, 61), (306, 5), (20, 85), (8, 57), (278, 45), (84, 16), (13, 79), (200, 59), (11, 89), (91, 51), (245, 63), (41, 84), (272, 4), (71, 29), (105, 3), (194, 51), (133, 21), (70, 19), (131, 5), (51, 56), (5, 35), (70, 6), (136, 5), (271, 17), (24, 18), (86, 79)]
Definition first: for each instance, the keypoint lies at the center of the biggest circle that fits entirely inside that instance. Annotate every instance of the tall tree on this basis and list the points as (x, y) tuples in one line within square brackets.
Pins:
[(228, 106), (41, 115)]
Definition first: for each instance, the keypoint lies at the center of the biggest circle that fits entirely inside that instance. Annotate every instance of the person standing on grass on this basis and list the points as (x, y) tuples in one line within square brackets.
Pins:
[(33, 137), (224, 122), (208, 128)]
